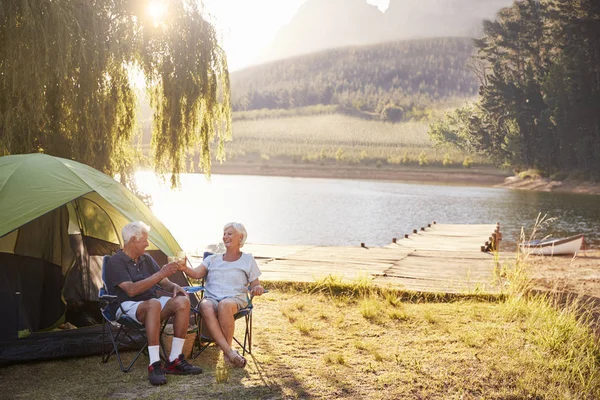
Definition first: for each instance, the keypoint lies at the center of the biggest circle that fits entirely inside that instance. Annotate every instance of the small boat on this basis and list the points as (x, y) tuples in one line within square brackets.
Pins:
[(553, 247)]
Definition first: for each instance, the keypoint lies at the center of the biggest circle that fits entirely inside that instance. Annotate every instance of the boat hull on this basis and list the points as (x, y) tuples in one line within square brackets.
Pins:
[(554, 247)]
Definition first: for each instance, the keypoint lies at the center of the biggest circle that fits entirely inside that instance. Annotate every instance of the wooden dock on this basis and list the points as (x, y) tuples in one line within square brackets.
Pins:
[(437, 258)]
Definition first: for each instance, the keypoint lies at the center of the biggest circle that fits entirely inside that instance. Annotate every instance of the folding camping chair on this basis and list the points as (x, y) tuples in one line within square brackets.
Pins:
[(126, 327), (202, 338)]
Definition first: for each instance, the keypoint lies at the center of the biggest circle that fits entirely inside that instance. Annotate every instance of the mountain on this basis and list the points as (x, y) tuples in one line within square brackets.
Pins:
[(325, 24), (367, 78)]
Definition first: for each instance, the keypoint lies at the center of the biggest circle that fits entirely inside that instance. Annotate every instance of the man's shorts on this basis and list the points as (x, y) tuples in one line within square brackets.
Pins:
[(131, 307), (241, 302)]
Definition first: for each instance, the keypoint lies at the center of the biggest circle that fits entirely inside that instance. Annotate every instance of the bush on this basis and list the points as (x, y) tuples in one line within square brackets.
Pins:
[(467, 162), (423, 159), (529, 174), (339, 154), (392, 113), (559, 176), (447, 160)]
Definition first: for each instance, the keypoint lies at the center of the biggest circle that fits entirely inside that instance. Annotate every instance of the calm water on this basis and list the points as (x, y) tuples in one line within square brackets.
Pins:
[(280, 210)]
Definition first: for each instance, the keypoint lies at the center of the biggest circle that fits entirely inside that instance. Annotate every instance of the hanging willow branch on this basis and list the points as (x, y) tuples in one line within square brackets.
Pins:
[(65, 88)]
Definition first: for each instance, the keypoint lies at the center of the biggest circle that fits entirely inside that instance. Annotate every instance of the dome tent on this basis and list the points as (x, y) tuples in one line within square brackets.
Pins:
[(57, 219)]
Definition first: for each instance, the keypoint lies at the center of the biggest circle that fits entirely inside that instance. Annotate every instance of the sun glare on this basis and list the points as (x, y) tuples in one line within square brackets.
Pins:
[(157, 11)]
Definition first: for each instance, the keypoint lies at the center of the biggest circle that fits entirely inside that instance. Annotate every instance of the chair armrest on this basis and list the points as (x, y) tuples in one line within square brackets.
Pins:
[(193, 289)]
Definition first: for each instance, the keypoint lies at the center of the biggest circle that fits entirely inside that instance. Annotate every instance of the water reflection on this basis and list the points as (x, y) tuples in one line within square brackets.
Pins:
[(281, 210)]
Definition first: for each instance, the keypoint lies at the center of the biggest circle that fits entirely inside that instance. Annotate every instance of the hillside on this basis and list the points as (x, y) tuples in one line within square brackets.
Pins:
[(365, 78), (320, 25)]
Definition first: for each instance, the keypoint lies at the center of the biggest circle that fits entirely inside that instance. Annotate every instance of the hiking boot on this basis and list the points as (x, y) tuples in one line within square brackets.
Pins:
[(156, 376), (180, 366)]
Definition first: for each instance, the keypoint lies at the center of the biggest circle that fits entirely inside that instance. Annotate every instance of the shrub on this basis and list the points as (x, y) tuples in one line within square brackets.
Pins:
[(529, 174), (467, 162), (447, 160)]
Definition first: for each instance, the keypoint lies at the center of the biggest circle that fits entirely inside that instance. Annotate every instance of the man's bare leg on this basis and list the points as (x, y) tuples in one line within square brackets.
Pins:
[(149, 314), (178, 306)]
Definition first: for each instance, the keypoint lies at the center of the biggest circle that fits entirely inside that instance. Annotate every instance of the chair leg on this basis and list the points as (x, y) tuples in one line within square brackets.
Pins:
[(116, 340), (250, 336), (201, 345)]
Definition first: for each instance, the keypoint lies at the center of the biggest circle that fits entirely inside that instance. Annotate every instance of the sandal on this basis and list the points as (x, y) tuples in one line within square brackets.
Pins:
[(236, 359)]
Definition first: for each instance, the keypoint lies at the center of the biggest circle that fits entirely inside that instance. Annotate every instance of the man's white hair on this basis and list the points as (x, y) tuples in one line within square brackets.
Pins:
[(134, 230), (240, 228)]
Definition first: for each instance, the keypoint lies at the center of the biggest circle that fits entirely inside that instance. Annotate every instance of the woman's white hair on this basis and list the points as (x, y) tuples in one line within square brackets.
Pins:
[(134, 229), (240, 228)]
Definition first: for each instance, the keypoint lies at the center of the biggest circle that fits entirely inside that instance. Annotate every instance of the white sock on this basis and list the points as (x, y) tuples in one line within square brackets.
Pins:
[(154, 354), (176, 348)]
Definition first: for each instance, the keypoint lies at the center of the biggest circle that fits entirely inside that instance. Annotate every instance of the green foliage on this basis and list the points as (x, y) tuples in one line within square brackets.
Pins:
[(538, 63), (392, 113), (447, 160), (423, 158), (529, 174), (467, 162), (394, 81), (65, 86)]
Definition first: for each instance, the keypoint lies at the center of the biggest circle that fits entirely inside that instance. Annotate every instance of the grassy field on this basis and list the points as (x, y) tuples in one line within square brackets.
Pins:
[(342, 138), (323, 138), (328, 340)]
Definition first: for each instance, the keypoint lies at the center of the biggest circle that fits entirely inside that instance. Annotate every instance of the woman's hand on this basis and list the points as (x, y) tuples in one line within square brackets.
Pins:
[(257, 290)]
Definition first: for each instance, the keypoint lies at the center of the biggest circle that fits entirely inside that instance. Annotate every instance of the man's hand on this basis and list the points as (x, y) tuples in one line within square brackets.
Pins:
[(170, 268), (178, 291)]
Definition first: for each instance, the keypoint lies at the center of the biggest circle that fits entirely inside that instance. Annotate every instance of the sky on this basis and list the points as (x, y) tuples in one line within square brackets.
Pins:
[(246, 27)]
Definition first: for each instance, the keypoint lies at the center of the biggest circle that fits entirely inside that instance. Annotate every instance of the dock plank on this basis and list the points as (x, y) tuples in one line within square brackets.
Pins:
[(442, 258)]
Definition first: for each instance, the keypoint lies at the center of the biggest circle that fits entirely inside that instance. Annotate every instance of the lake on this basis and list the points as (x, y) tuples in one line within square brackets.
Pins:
[(336, 212)]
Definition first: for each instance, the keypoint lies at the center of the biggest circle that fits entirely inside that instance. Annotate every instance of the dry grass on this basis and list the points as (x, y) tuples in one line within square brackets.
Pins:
[(341, 139), (328, 340)]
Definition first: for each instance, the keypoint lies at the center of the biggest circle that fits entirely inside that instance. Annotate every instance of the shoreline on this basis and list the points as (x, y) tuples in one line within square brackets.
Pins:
[(476, 176)]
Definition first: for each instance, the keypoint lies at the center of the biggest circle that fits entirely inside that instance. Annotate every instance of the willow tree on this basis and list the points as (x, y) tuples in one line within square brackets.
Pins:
[(66, 86)]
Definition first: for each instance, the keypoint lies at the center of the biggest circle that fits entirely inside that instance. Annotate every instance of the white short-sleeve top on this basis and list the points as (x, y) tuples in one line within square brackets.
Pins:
[(229, 278)]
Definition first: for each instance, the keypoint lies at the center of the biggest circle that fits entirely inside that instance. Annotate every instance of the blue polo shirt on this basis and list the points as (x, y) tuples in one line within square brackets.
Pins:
[(120, 268)]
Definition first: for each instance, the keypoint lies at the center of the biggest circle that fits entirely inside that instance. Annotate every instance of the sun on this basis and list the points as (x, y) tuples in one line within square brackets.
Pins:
[(157, 11)]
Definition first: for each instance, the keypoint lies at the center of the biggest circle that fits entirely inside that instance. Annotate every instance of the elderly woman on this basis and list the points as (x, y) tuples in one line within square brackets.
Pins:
[(226, 289)]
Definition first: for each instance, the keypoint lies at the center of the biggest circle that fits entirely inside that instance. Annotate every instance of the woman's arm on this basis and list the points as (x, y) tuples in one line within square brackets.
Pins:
[(196, 273), (255, 288)]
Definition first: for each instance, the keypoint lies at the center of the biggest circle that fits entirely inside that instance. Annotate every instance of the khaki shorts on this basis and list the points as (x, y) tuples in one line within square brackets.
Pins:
[(241, 303)]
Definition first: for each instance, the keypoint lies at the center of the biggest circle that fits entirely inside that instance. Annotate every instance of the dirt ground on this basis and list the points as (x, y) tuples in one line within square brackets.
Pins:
[(575, 275), (477, 176), (570, 280), (548, 185)]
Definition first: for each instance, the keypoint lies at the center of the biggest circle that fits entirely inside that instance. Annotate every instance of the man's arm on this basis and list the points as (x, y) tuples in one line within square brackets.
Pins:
[(134, 288)]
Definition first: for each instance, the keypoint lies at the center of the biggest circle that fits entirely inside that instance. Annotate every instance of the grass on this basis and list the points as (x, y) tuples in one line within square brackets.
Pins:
[(329, 339), (336, 138)]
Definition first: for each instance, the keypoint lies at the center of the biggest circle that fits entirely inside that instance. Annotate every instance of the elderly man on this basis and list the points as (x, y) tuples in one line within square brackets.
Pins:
[(132, 275)]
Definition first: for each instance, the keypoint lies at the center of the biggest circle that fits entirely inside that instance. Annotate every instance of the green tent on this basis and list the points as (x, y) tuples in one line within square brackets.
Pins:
[(57, 219)]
